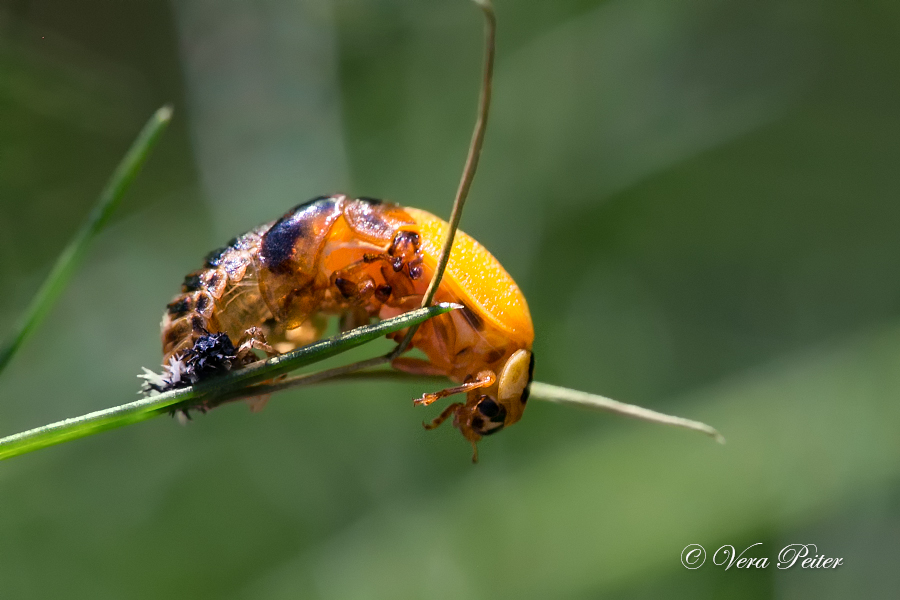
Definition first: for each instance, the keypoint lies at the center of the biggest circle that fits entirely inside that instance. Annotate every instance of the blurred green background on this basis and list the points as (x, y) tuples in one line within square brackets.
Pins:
[(699, 200)]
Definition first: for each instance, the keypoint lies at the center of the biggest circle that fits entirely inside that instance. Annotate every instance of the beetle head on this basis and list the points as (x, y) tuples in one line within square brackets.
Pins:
[(488, 411)]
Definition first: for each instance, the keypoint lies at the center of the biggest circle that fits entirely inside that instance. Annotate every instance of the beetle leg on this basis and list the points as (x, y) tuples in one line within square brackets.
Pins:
[(402, 262), (353, 286), (410, 302), (445, 414), (353, 318), (414, 267), (357, 285), (416, 366), (285, 340), (459, 412), (404, 250), (484, 379), (403, 290), (253, 339)]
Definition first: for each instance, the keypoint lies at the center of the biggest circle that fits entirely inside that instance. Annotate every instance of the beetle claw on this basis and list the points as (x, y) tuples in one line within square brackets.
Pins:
[(426, 399)]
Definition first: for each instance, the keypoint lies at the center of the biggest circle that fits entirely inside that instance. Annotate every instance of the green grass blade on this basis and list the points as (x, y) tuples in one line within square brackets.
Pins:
[(74, 253), (146, 408), (91, 423), (570, 397)]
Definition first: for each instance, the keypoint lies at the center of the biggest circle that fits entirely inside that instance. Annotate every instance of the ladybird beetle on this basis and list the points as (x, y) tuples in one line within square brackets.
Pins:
[(271, 288)]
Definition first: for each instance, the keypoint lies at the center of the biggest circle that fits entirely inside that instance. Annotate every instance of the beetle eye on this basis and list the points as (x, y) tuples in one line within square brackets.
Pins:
[(488, 407), (491, 416)]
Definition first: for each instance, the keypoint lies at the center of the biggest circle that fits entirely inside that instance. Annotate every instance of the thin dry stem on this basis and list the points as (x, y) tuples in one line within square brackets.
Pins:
[(468, 175)]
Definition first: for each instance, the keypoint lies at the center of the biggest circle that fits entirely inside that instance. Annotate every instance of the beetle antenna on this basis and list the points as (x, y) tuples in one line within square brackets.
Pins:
[(468, 174)]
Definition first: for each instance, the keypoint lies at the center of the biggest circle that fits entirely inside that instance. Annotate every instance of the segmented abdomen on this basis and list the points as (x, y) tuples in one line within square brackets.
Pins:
[(222, 297)]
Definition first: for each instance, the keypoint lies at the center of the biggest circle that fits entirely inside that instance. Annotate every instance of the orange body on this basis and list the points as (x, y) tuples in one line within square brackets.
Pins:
[(362, 259)]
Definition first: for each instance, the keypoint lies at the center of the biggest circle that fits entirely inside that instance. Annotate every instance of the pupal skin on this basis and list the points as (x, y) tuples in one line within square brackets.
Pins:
[(271, 288)]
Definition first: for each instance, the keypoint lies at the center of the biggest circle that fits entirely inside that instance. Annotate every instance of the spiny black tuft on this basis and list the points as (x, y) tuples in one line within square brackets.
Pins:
[(210, 355)]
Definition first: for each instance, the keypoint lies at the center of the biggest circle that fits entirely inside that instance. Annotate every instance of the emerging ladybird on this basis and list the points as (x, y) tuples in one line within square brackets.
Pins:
[(269, 289), (359, 259)]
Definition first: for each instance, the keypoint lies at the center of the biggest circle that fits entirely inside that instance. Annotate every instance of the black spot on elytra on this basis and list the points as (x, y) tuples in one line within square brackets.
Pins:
[(278, 242), (371, 201)]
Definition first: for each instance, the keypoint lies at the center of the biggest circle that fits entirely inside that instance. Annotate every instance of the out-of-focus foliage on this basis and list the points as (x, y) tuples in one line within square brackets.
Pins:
[(699, 200)]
